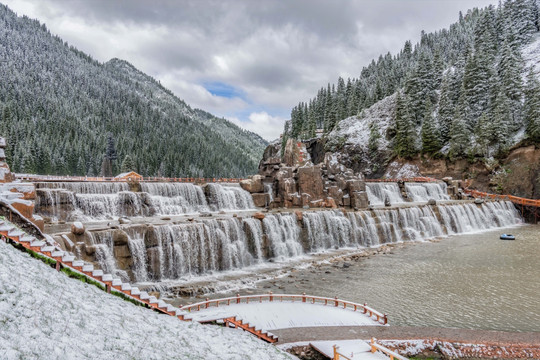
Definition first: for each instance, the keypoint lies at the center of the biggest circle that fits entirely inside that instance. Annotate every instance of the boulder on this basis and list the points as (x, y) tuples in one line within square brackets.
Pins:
[(331, 203), (258, 216), (120, 237), (359, 200), (253, 185), (432, 202), (299, 215), (355, 185), (478, 201), (77, 228), (261, 199), (447, 180), (310, 181), (124, 220)]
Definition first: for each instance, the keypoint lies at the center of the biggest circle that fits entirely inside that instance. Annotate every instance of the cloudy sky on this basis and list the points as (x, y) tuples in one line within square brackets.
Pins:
[(249, 61)]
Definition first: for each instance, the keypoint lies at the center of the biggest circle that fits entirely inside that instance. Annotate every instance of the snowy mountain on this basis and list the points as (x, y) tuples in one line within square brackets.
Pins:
[(59, 107), (45, 314), (467, 92)]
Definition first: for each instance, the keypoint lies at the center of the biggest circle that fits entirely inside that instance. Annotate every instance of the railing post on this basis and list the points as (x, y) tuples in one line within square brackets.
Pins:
[(238, 298), (365, 310), (336, 354), (385, 319), (108, 288), (373, 348), (304, 297), (207, 299), (271, 296), (335, 301), (58, 267)]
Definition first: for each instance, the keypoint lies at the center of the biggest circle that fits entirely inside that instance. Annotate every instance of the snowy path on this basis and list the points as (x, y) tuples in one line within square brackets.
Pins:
[(46, 315), (281, 315), (354, 349)]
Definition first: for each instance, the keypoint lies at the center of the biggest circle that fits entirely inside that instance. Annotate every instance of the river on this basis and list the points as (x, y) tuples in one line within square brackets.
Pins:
[(473, 281)]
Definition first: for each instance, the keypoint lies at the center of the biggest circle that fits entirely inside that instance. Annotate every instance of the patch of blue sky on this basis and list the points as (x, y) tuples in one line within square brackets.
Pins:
[(218, 88)]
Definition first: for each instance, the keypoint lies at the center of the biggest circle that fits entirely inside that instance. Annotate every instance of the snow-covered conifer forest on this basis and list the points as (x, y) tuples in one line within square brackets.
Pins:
[(61, 110), (469, 91)]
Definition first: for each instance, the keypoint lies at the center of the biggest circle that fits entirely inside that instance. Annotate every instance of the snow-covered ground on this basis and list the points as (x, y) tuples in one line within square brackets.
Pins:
[(46, 315), (281, 315), (354, 349)]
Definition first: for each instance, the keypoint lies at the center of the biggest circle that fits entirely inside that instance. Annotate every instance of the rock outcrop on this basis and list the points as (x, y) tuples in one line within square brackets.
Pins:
[(306, 177)]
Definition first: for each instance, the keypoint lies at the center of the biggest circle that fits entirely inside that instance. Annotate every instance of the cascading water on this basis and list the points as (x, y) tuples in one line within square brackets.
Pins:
[(176, 198), (229, 197), (378, 192), (177, 251), (283, 236), (422, 192), (100, 201), (471, 218)]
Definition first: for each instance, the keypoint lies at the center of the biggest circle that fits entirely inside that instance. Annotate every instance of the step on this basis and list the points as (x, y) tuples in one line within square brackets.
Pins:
[(97, 273), (15, 233), (88, 268), (153, 300), (170, 308), (38, 243), (7, 228), (107, 277), (47, 248), (135, 291), (58, 253), (78, 263), (126, 286), (144, 295), (162, 304), (30, 239), (116, 282), (68, 258)]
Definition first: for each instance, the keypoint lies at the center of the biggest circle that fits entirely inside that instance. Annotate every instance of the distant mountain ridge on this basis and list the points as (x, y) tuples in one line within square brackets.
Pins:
[(59, 106)]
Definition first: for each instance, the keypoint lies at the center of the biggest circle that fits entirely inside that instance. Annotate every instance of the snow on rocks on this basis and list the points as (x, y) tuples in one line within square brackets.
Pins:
[(45, 314)]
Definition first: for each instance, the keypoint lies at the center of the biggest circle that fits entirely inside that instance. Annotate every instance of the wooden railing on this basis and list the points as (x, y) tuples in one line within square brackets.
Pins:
[(514, 199), (239, 324), (379, 317), (413, 179), (392, 354), (50, 178)]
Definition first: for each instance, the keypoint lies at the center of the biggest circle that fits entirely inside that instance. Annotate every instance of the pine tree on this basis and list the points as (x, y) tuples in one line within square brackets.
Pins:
[(430, 136), (460, 136), (446, 108), (484, 134), (501, 119), (405, 139), (532, 106)]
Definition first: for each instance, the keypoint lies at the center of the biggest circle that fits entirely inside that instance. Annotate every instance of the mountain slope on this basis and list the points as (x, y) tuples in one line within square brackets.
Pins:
[(46, 315), (466, 92), (58, 106)]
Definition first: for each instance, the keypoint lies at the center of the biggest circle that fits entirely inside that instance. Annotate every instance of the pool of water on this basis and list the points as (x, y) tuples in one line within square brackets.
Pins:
[(473, 281)]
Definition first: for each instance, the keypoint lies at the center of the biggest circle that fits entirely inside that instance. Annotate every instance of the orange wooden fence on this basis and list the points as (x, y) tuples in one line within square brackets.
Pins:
[(413, 179), (514, 199), (51, 178), (379, 317)]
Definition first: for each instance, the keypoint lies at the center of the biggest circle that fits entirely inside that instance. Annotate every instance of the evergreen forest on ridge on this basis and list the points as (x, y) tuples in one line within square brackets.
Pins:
[(64, 113), (461, 92)]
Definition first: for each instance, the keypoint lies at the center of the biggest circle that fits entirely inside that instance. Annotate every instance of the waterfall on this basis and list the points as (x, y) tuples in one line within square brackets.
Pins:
[(104, 247), (471, 217), (268, 189), (188, 249), (327, 230), (377, 192), (283, 236), (229, 197), (176, 198), (102, 201), (422, 192)]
